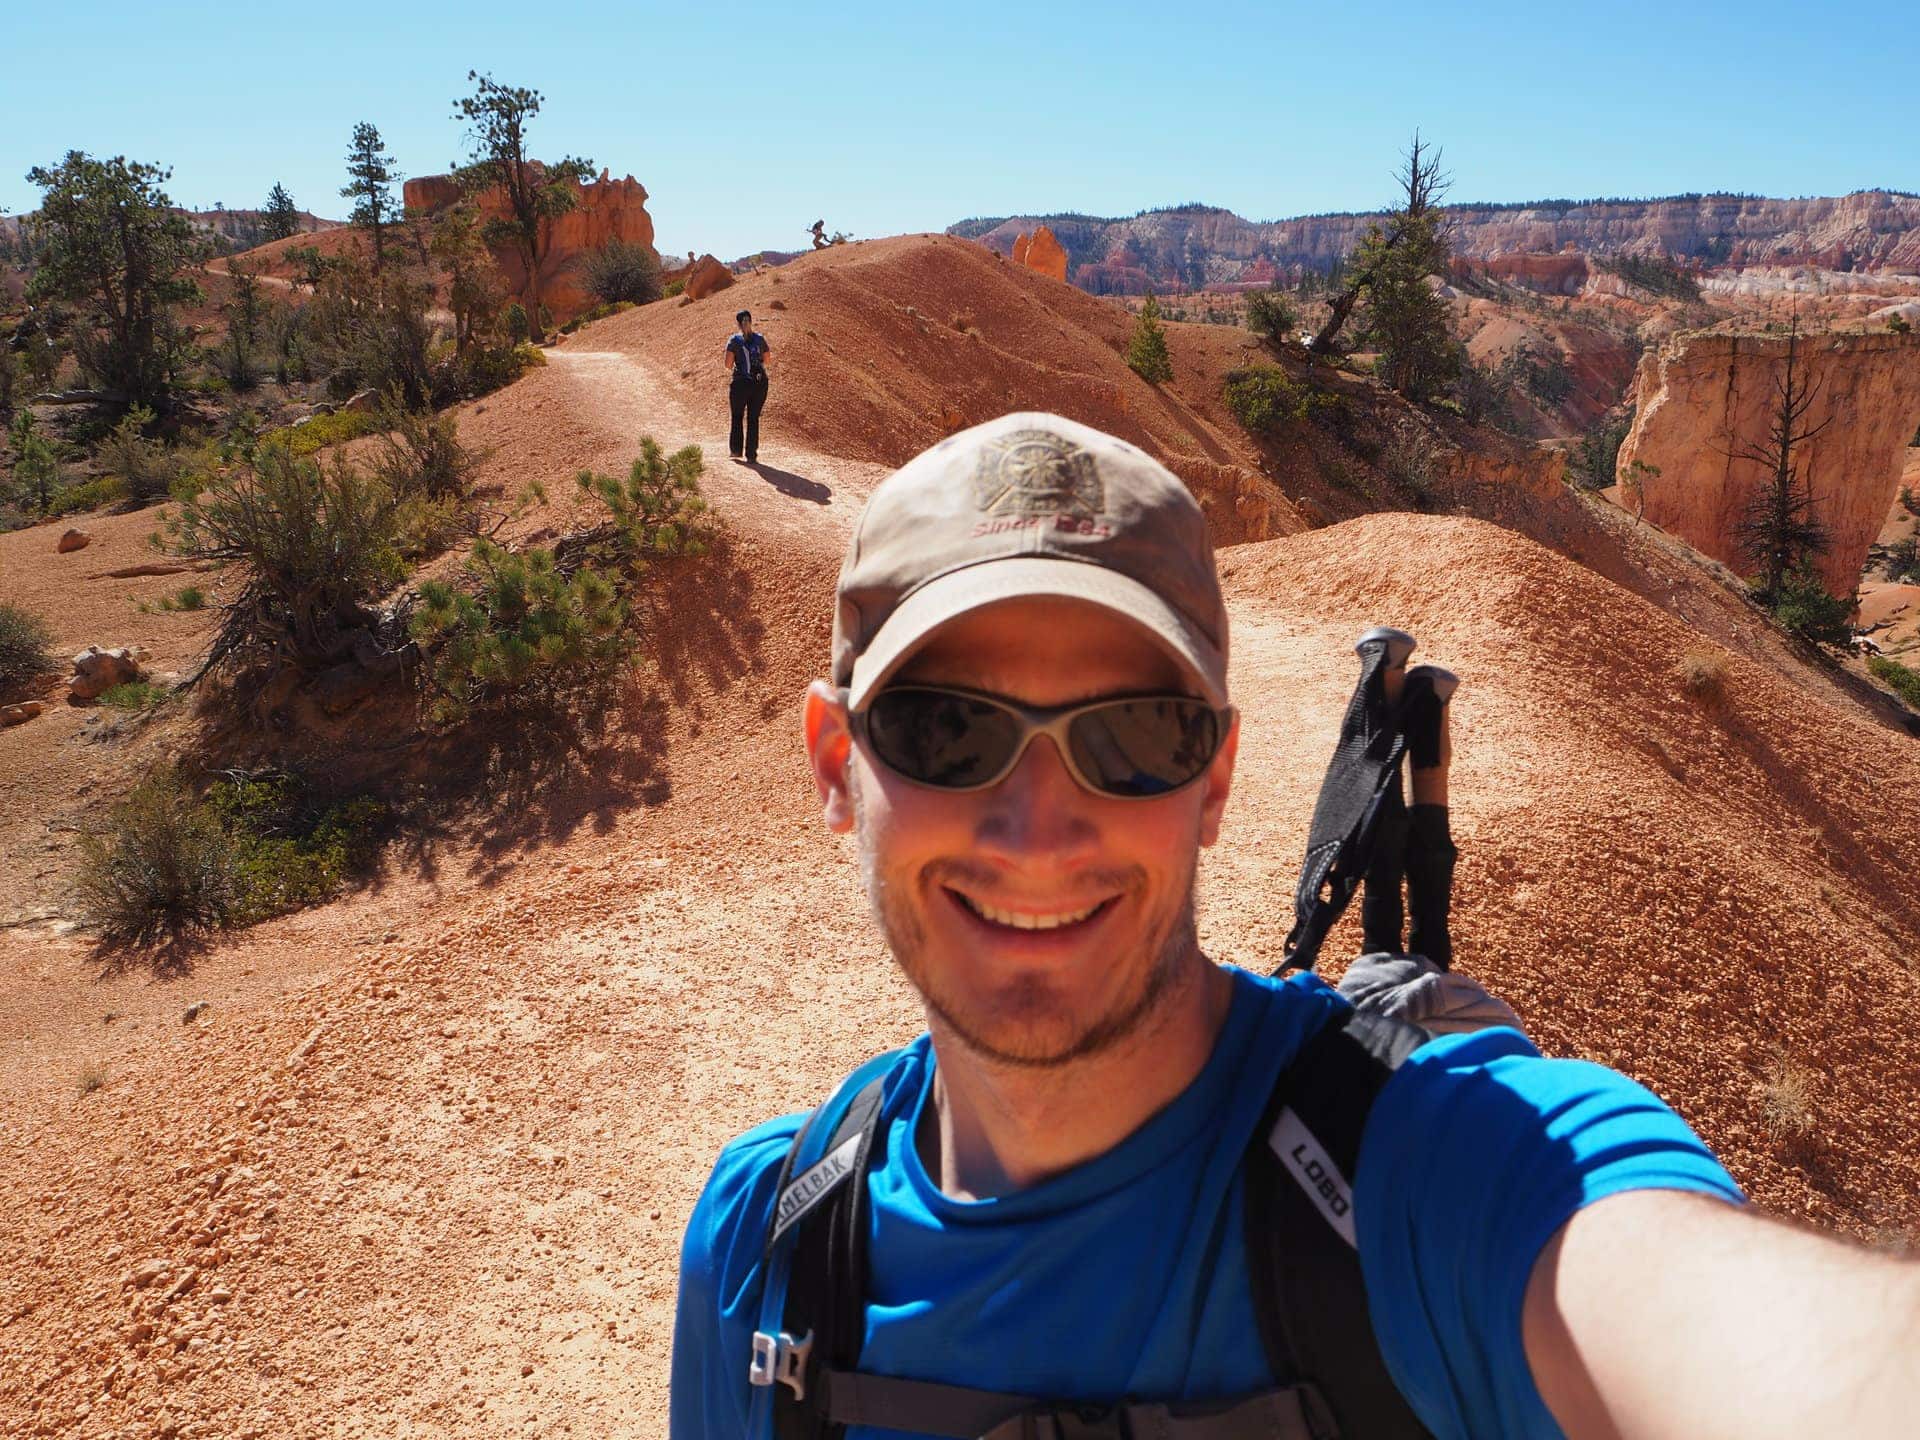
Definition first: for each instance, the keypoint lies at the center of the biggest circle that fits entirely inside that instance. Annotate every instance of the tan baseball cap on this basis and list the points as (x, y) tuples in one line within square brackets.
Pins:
[(1027, 505)]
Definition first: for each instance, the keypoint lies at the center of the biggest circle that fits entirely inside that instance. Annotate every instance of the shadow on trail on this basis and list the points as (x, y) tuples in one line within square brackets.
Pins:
[(788, 483)]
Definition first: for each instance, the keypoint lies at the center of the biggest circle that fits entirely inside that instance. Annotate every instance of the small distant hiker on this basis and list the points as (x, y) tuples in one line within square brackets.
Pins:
[(747, 393)]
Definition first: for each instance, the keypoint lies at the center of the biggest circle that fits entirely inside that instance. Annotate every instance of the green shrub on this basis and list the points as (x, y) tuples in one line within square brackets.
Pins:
[(543, 629), (26, 647), (1270, 314), (168, 863), (673, 288), (619, 271), (290, 849), (148, 467), (420, 454), (1147, 350), (1902, 562), (90, 495), (321, 431), (158, 865), (1804, 606), (1592, 463), (1264, 400), (1903, 681), (134, 695), (481, 369), (513, 319), (191, 597)]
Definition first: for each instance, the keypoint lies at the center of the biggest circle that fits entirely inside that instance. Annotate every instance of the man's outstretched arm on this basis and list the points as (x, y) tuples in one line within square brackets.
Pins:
[(1663, 1314)]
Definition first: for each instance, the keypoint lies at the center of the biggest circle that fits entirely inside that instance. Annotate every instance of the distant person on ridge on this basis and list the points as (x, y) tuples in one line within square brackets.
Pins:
[(747, 391), (1119, 1189)]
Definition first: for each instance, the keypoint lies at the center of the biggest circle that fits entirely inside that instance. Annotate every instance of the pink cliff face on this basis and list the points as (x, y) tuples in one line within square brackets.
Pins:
[(604, 211), (1706, 393)]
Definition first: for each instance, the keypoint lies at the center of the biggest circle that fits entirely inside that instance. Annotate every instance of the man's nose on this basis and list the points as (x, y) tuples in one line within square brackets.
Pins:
[(1039, 811)]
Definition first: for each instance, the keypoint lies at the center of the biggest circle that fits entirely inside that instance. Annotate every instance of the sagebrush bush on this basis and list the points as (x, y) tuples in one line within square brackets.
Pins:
[(1902, 563), (158, 865), (26, 647), (148, 468), (420, 454), (1703, 674), (619, 271), (320, 540), (166, 863), (1264, 400)]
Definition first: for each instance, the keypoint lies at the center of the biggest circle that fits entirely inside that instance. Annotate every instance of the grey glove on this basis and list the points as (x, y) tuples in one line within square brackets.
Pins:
[(1414, 989)]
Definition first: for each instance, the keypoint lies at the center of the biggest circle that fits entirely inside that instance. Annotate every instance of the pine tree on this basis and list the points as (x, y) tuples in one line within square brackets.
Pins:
[(115, 246), (1390, 268), (1147, 350), (370, 175), (279, 216), (497, 116)]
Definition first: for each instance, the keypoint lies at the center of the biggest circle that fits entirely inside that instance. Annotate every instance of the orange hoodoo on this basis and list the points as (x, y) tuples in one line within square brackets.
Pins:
[(604, 210)]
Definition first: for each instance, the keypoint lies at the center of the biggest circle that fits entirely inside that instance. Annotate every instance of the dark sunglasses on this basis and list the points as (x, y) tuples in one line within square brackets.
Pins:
[(1130, 747)]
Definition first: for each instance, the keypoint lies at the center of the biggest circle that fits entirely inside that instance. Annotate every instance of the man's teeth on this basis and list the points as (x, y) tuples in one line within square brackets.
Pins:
[(1027, 921)]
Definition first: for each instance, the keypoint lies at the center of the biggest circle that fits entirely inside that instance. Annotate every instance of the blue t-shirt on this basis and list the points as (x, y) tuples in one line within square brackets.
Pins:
[(749, 353), (1127, 1276)]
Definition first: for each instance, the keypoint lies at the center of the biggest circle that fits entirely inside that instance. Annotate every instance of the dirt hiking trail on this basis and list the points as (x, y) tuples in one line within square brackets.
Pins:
[(422, 1166)]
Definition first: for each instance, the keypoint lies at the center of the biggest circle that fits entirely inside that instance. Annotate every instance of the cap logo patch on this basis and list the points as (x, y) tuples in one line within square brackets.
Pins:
[(1036, 472)]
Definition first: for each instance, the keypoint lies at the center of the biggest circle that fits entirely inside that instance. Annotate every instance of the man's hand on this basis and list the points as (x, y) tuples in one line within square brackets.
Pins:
[(1663, 1314)]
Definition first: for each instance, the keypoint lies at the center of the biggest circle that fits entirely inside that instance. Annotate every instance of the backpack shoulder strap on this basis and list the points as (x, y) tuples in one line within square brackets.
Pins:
[(816, 1260), (1302, 1252)]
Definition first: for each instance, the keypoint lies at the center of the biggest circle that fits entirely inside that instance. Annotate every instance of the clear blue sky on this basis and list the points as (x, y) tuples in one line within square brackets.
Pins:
[(747, 121)]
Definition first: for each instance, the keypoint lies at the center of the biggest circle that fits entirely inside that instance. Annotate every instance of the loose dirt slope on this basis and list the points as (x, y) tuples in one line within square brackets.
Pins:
[(423, 1166)]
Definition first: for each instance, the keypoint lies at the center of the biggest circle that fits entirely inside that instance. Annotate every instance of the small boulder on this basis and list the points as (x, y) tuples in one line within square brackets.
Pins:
[(708, 276), (362, 403), (195, 1011), (96, 671), (73, 540), (19, 714)]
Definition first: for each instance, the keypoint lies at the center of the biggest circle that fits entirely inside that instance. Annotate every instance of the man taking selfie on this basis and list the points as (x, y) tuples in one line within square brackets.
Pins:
[(1120, 1190)]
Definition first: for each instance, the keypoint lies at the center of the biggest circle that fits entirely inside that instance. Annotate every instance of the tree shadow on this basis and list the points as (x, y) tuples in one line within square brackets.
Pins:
[(538, 777), (788, 483), (168, 958)]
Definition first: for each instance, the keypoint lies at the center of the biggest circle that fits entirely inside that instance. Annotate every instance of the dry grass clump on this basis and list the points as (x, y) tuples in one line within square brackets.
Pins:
[(1787, 1100), (1703, 674)]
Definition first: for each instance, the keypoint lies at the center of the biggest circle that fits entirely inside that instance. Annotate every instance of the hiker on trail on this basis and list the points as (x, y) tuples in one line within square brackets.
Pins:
[(1119, 1189), (747, 391)]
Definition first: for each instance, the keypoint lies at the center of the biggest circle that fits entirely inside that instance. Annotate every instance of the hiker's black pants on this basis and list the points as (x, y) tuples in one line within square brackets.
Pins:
[(746, 397)]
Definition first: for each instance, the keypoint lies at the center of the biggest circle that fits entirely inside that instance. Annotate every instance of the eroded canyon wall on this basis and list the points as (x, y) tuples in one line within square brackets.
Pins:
[(1704, 397)]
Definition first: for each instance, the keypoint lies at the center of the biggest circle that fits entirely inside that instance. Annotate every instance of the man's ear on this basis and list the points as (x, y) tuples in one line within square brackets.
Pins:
[(829, 752), (1219, 783)]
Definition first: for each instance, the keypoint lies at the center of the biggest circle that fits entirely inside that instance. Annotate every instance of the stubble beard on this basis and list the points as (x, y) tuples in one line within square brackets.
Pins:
[(1030, 1029)]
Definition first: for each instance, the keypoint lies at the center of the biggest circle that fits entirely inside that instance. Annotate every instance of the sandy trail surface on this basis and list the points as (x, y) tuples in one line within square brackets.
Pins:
[(423, 1165)]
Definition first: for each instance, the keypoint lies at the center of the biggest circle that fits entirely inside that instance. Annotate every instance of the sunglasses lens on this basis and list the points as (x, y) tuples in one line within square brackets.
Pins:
[(1138, 748), (937, 738)]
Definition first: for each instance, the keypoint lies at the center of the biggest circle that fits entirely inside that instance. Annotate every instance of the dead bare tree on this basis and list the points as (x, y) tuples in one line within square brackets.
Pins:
[(1777, 530)]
